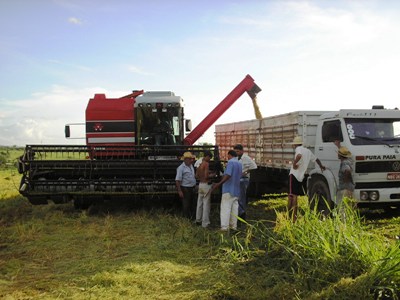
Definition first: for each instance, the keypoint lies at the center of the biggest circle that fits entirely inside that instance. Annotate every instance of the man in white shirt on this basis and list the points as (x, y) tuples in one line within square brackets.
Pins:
[(302, 158), (247, 165)]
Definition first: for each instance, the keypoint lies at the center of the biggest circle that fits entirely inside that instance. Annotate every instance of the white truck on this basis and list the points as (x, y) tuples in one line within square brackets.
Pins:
[(372, 136)]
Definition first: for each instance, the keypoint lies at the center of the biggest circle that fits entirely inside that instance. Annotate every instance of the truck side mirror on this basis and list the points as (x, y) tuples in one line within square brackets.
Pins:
[(188, 125), (67, 131)]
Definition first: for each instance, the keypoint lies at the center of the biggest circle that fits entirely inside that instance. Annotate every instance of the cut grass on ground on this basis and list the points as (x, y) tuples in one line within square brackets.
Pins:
[(120, 251), (54, 251)]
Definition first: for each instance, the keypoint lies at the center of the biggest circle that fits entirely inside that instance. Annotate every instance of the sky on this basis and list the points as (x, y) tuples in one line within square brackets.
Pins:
[(304, 55)]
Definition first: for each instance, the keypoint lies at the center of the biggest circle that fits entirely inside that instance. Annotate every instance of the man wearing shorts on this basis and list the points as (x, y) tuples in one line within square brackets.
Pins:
[(302, 158)]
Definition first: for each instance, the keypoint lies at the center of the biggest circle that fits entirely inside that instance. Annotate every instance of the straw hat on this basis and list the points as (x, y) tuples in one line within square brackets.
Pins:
[(297, 141), (188, 155), (343, 151)]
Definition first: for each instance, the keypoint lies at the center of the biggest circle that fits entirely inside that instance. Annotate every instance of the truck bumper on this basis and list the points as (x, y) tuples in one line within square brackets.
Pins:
[(377, 197)]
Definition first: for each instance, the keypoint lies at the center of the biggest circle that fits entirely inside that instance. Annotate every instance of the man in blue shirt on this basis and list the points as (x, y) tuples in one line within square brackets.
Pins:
[(185, 181), (230, 192)]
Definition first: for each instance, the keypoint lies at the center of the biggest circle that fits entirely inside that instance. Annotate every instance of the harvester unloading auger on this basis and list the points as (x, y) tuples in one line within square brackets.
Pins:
[(133, 147)]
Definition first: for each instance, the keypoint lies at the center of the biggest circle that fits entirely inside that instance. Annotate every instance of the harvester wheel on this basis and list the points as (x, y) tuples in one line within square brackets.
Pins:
[(37, 200), (81, 203), (60, 199)]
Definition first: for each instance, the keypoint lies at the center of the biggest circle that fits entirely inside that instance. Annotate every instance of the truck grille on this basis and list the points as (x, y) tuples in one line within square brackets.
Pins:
[(377, 185), (378, 166)]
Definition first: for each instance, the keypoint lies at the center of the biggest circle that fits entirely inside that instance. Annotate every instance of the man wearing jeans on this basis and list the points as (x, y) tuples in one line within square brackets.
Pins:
[(247, 165), (203, 199), (185, 184), (230, 192)]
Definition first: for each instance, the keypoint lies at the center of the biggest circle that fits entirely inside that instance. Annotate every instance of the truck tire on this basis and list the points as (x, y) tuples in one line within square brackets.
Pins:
[(319, 196)]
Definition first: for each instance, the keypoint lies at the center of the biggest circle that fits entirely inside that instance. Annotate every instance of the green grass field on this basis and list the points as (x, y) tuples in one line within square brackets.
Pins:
[(9, 176), (119, 251)]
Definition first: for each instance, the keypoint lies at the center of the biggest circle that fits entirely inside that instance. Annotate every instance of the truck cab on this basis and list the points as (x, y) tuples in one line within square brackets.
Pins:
[(373, 137)]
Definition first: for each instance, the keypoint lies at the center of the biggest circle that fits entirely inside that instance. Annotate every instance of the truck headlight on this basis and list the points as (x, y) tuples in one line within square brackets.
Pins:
[(374, 195), (369, 195), (363, 195)]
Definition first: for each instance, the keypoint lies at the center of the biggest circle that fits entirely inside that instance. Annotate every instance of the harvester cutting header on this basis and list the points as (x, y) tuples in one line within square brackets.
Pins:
[(133, 147)]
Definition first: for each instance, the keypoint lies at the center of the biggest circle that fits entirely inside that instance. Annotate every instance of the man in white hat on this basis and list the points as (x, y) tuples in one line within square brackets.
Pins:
[(185, 181), (302, 158), (346, 184)]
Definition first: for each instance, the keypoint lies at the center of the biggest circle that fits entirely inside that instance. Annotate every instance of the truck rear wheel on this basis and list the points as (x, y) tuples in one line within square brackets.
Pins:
[(319, 196)]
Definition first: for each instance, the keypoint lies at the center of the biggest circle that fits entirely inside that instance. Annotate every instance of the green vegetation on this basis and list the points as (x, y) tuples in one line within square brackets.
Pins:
[(119, 251), (332, 258), (9, 176), (9, 155)]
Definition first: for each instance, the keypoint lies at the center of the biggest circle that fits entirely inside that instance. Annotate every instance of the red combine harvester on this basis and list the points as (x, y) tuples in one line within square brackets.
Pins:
[(133, 147)]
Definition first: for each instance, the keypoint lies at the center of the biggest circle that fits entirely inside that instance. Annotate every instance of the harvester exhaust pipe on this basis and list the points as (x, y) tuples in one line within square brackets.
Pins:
[(246, 85)]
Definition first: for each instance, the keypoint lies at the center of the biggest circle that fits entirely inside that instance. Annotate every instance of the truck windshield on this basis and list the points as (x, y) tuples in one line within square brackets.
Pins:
[(158, 125), (373, 131)]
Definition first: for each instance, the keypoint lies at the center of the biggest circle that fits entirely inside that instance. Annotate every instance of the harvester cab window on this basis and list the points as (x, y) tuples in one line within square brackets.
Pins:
[(163, 131), (175, 125), (158, 125)]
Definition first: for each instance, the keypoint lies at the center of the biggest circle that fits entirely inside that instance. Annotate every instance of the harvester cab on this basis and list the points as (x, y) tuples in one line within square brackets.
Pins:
[(141, 118), (159, 119)]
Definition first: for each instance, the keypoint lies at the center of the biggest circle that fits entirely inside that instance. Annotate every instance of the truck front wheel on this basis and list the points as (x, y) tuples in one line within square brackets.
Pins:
[(319, 196)]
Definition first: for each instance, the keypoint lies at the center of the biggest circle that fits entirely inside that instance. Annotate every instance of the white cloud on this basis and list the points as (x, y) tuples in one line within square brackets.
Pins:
[(79, 67), (137, 70), (75, 21), (29, 130), (246, 22), (338, 29), (41, 118)]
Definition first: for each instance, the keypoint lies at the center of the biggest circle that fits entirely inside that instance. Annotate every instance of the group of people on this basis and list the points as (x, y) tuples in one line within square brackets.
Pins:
[(302, 158), (233, 183)]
